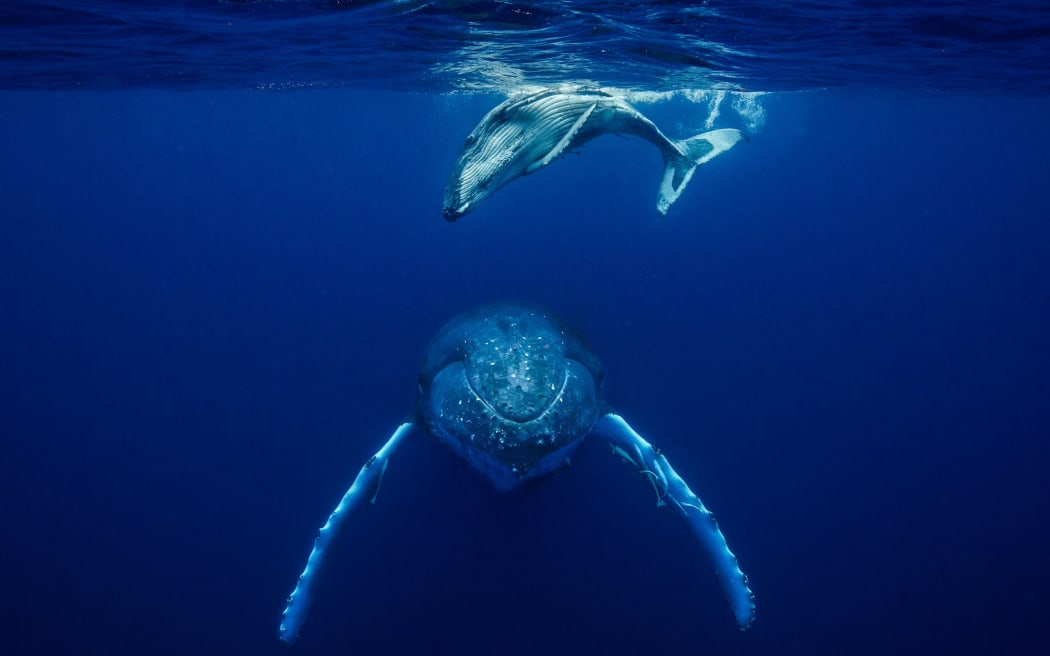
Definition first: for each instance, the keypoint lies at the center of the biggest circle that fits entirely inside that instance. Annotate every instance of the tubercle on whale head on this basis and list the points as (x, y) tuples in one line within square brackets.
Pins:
[(473, 181), (452, 206), (510, 389), (452, 212), (461, 191)]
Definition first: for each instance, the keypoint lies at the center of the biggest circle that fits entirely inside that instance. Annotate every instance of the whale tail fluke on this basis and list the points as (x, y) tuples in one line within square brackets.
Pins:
[(681, 163)]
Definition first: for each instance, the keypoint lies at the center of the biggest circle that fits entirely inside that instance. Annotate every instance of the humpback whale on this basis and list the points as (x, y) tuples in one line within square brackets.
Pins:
[(529, 131), (513, 391)]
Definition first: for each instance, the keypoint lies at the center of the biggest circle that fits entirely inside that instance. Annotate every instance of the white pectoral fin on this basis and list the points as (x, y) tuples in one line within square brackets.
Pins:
[(623, 440), (362, 491), (560, 147), (678, 171)]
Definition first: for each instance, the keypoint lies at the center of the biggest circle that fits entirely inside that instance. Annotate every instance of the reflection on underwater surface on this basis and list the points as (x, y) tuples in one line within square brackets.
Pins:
[(441, 46)]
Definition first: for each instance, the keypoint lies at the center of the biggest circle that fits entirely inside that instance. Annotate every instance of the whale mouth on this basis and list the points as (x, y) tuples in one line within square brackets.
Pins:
[(457, 200), (452, 213)]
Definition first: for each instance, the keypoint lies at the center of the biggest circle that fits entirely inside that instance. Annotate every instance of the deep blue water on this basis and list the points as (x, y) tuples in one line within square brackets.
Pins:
[(215, 299)]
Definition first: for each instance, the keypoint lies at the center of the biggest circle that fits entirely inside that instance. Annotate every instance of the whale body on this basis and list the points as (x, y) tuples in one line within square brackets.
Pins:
[(513, 391), (529, 131)]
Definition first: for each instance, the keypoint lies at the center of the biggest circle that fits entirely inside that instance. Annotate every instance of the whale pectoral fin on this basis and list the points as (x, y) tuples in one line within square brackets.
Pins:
[(678, 171), (681, 163), (563, 143), (702, 148), (672, 489), (363, 490)]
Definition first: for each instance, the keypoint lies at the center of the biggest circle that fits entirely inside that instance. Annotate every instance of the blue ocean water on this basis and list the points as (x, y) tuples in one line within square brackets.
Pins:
[(222, 257)]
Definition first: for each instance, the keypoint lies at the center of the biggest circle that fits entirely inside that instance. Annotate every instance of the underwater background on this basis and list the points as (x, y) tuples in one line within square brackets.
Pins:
[(222, 259)]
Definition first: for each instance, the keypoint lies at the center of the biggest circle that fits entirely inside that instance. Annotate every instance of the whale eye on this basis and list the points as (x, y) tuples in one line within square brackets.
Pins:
[(470, 140)]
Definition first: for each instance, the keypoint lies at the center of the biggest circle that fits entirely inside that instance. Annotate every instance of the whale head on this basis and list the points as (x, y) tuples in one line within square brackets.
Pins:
[(500, 149), (510, 389)]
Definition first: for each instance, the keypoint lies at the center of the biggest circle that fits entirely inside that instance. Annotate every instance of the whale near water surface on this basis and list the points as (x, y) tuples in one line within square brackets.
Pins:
[(528, 131)]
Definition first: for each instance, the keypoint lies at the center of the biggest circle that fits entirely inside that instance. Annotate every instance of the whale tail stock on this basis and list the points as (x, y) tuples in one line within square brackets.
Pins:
[(681, 161)]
